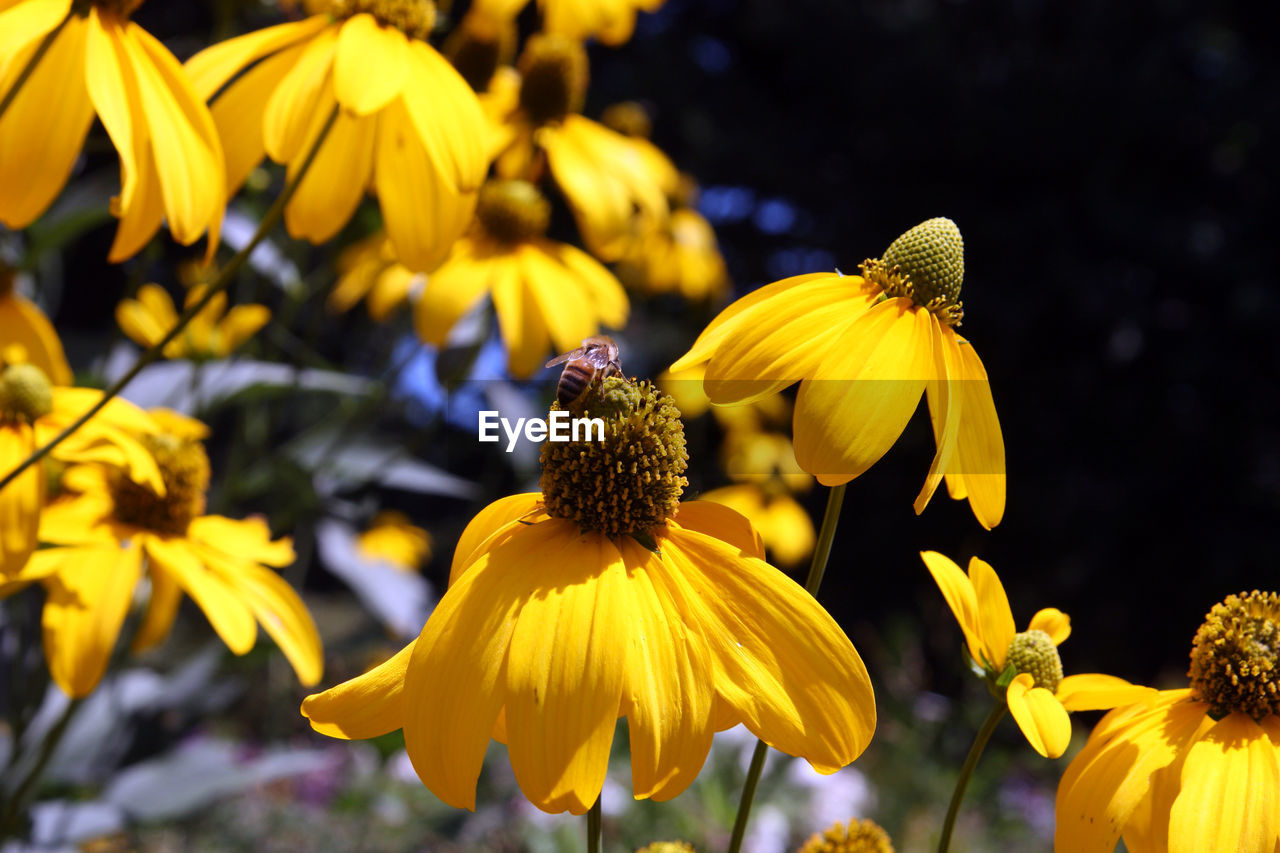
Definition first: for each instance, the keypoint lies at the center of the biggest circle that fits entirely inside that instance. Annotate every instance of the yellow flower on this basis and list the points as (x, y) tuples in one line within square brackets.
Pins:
[(32, 412), (113, 532), (594, 600), (24, 324), (1027, 663), (610, 21), (370, 269), (682, 257), (1194, 769), (548, 296), (857, 836), (864, 348), (213, 333), (391, 538), (605, 177), (407, 125), (171, 163)]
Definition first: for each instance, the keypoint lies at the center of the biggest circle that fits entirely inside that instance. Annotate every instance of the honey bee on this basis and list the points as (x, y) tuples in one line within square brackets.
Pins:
[(598, 355)]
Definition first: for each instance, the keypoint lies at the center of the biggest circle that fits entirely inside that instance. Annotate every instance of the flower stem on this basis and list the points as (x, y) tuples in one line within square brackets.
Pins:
[(12, 95), (594, 828), (218, 285), (818, 567), (13, 807), (970, 762)]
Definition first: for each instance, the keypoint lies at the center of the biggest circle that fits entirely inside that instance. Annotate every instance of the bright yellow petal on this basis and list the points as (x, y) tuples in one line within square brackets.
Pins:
[(24, 24), (524, 329), (1230, 797), (20, 501), (722, 522), (162, 609), (608, 297), (227, 613), (367, 706), (391, 289), (1040, 716), (210, 69), (300, 96), (566, 309), (241, 323), (447, 117), (945, 405), (281, 613), (979, 457), (26, 325), (1053, 622), (335, 183), (109, 77), (957, 589), (450, 292), (249, 538), (488, 521), (783, 664), (370, 66), (860, 397), (45, 125), (995, 619), (87, 602), (1096, 692), (240, 110)]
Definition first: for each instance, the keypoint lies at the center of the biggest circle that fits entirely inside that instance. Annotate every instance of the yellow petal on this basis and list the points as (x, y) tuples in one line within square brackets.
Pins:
[(945, 406), (607, 295), (957, 589), (722, 522), (249, 538), (1230, 797), (162, 609), (20, 501), (281, 613), (85, 609), (336, 181), (783, 664), (493, 518), (114, 93), (371, 64), (1096, 692), (669, 689), (367, 706), (863, 393), (450, 292), (26, 325), (979, 457), (559, 298), (524, 329), (1053, 622), (300, 96), (139, 324), (1040, 716), (447, 117), (241, 323), (45, 125), (210, 69), (24, 24), (391, 289), (227, 613), (239, 113), (995, 619)]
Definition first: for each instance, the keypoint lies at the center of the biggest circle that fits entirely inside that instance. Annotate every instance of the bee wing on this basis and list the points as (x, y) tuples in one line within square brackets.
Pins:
[(561, 359)]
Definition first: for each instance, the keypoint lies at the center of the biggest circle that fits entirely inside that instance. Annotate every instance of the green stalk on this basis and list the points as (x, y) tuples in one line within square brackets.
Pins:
[(218, 285), (970, 763), (13, 808), (594, 826), (12, 95), (817, 568)]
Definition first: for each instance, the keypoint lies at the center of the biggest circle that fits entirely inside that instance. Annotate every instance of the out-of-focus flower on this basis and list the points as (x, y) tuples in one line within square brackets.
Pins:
[(607, 178), (856, 836), (32, 412), (25, 325), (393, 539), (610, 21), (213, 333), (683, 257), (407, 125), (484, 40), (864, 349), (592, 600), (668, 847), (371, 271), (112, 532), (171, 163), (547, 295), (1191, 769), (1026, 663)]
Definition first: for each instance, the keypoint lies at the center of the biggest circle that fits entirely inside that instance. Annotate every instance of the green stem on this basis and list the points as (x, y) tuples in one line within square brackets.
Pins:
[(218, 285), (817, 568), (12, 95), (13, 808), (594, 828), (970, 762)]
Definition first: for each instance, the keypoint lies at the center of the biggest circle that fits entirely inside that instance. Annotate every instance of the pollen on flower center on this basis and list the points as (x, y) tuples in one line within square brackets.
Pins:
[(632, 481), (184, 467), (25, 393), (1235, 658), (553, 78), (512, 211), (1034, 653), (926, 265), (857, 836), (414, 18)]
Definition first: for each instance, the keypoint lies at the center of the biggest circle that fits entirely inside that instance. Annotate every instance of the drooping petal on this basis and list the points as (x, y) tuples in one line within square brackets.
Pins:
[(957, 589), (566, 309), (945, 406), (861, 396), (45, 125), (363, 707), (241, 323), (371, 64), (88, 599), (995, 618), (979, 457), (336, 181), (211, 69), (249, 538), (391, 289), (781, 661), (1230, 797), (280, 612), (447, 116), (524, 330), (162, 609), (26, 325), (21, 500), (1040, 716), (1096, 692), (565, 673), (24, 24), (1053, 622), (230, 617), (723, 523), (303, 92), (607, 295), (450, 292), (488, 521)]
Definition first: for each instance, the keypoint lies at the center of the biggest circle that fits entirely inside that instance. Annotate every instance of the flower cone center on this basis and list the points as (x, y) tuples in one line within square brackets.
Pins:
[(414, 18), (184, 467), (857, 836), (479, 45), (554, 78), (512, 211), (926, 265), (1235, 658), (1034, 653), (25, 393), (631, 481)]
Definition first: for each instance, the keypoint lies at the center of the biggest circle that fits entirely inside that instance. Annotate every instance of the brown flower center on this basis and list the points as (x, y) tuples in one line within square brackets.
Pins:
[(1235, 658), (857, 836), (512, 211), (414, 18), (184, 467), (554, 78)]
